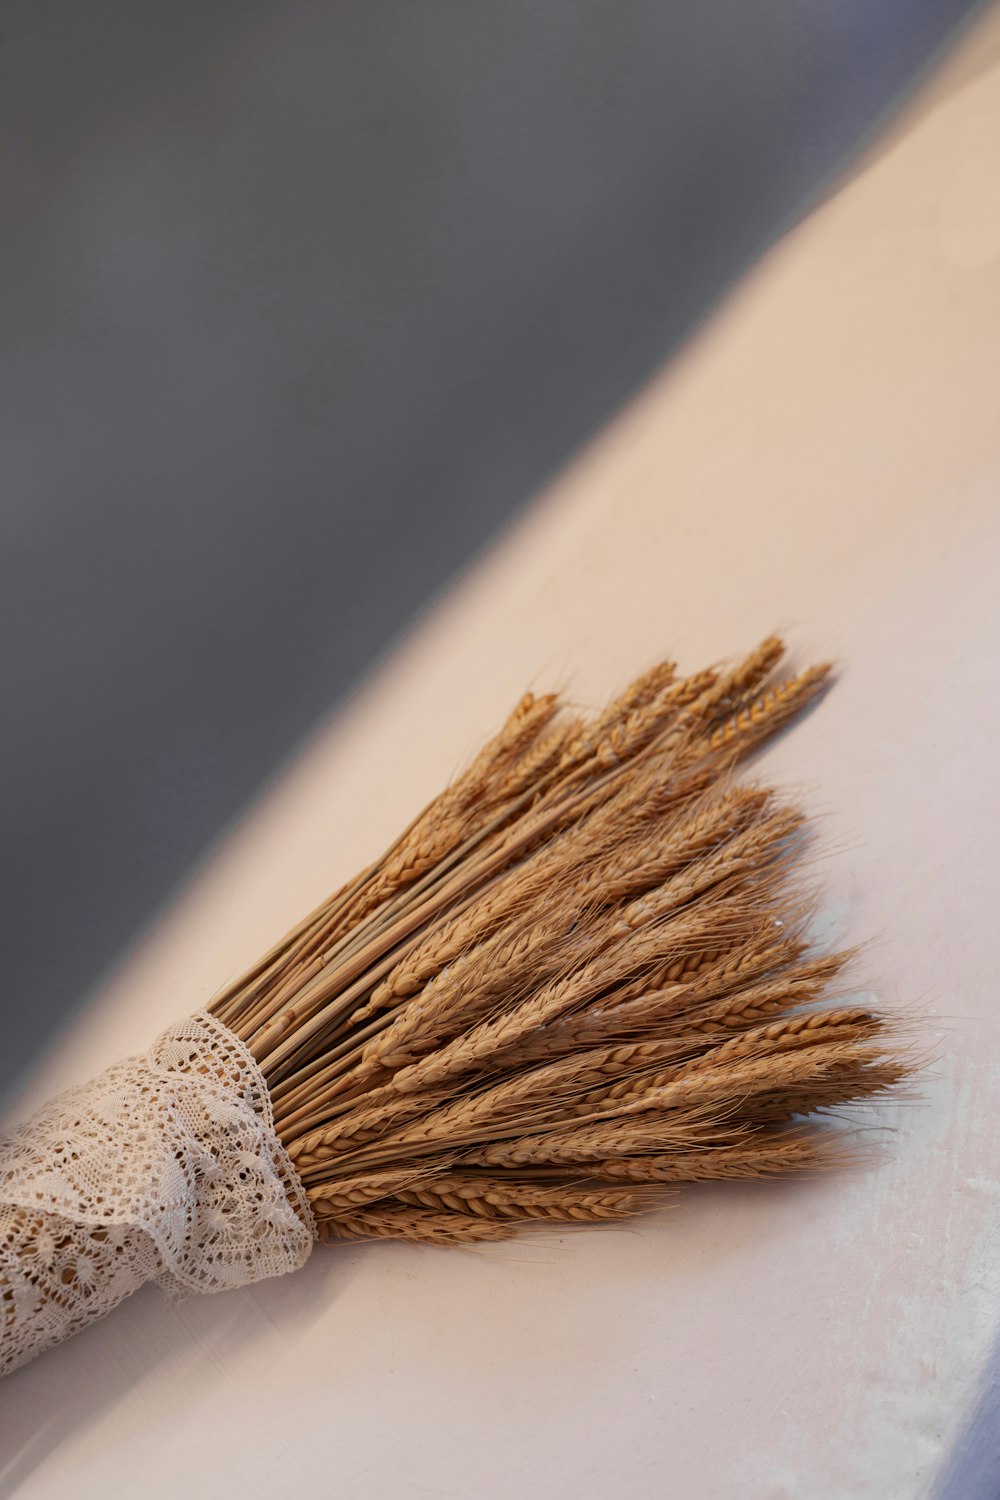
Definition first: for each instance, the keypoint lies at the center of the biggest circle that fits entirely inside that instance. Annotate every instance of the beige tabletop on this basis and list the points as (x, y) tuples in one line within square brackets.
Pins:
[(824, 456)]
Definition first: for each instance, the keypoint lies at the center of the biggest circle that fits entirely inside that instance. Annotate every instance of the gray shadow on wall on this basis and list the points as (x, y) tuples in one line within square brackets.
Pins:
[(300, 303), (972, 1469)]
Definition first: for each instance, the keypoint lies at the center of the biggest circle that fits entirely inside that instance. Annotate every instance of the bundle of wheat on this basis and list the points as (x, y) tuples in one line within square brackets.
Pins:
[(580, 977)]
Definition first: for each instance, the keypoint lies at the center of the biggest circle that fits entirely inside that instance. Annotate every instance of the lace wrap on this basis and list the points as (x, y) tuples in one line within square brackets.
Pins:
[(164, 1168)]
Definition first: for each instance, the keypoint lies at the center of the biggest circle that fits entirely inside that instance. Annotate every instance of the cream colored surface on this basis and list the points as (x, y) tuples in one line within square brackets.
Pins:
[(824, 456)]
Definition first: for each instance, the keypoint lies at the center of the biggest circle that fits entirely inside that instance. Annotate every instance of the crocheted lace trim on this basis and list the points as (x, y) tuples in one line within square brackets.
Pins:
[(164, 1168)]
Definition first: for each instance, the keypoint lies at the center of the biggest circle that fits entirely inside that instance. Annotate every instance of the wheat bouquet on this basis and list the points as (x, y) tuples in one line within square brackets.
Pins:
[(580, 977)]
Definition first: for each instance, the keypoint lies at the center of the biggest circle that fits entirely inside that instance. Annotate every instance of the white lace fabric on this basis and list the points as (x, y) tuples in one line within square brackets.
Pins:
[(164, 1168)]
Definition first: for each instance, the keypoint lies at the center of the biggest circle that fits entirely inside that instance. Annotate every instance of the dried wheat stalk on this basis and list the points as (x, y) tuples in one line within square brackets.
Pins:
[(579, 978)]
